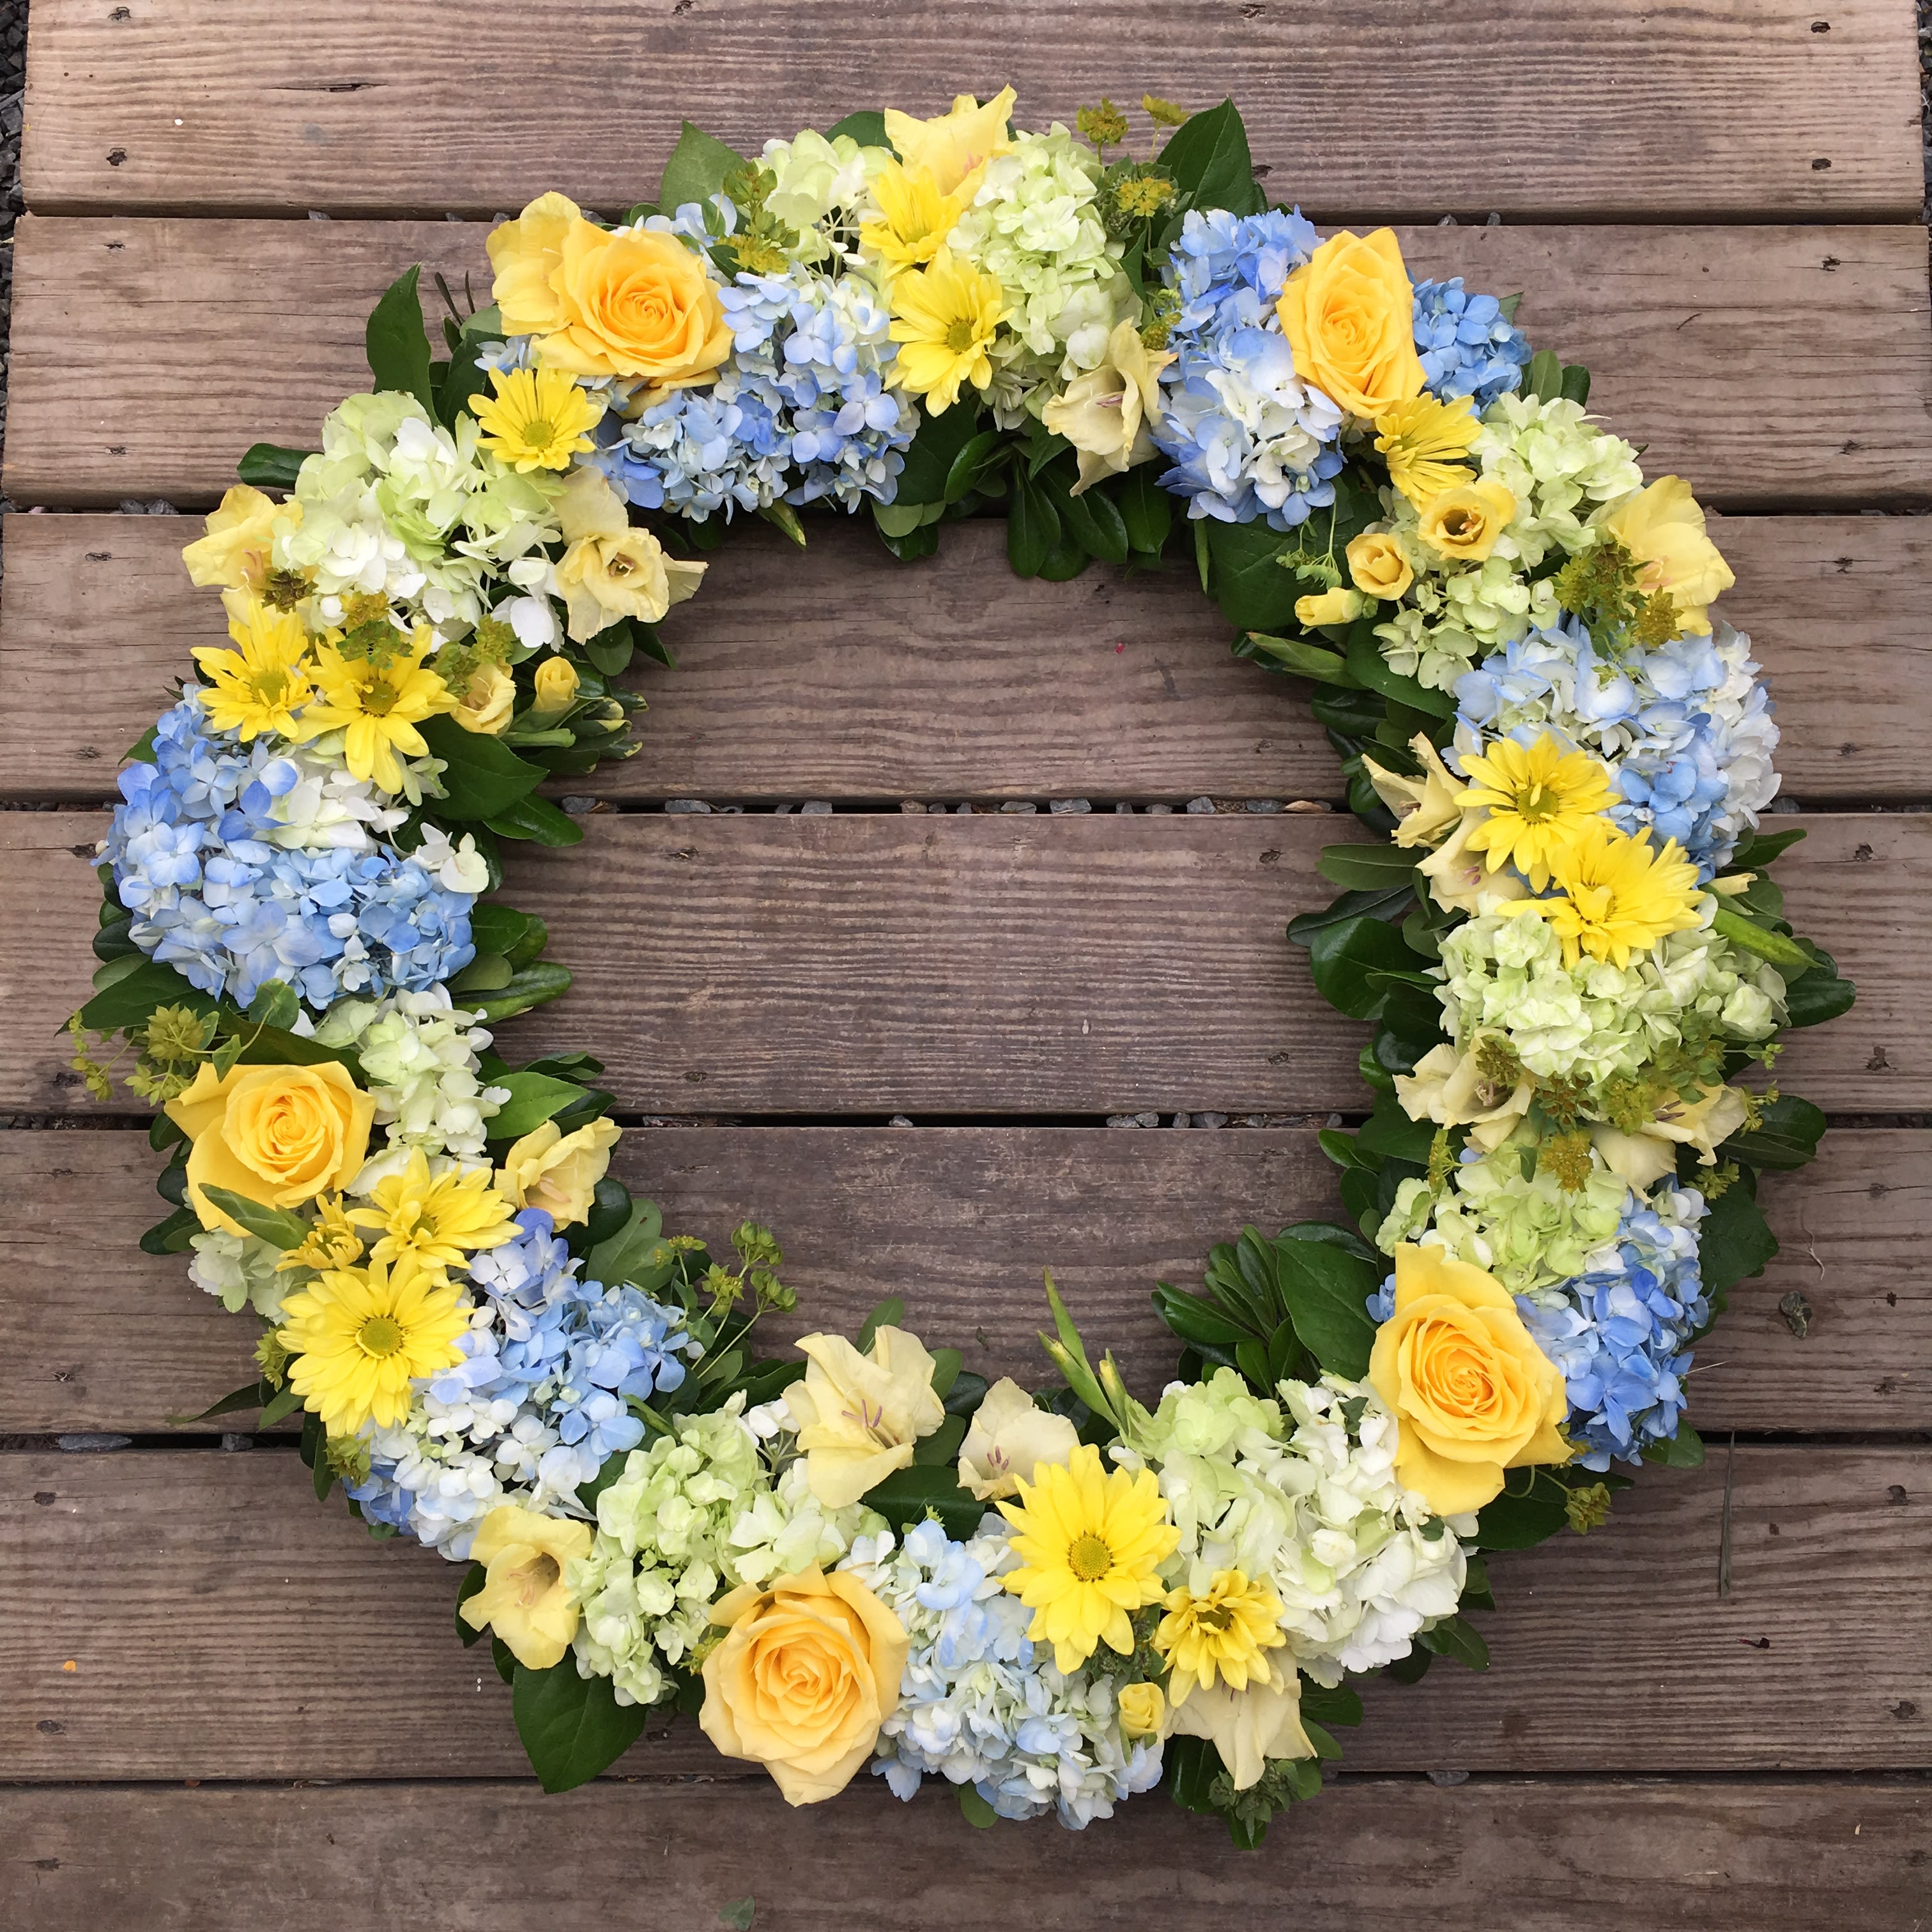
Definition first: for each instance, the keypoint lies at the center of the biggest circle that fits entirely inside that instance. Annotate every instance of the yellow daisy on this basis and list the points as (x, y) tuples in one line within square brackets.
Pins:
[(1090, 1540), (1617, 895), (1219, 1636), (915, 218), (943, 317), (1424, 442), (263, 682), (358, 1336), (377, 706), (538, 419), (1541, 797), (439, 1220), (331, 1243)]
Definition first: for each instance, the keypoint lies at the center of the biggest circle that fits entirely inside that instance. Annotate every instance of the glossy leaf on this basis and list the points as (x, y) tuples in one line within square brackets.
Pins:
[(572, 1727), (398, 349), (697, 169), (276, 1226)]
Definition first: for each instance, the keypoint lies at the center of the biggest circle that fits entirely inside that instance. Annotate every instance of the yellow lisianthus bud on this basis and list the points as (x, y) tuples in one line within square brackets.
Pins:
[(556, 687), (1143, 1710), (1378, 566), (1465, 523), (1339, 606)]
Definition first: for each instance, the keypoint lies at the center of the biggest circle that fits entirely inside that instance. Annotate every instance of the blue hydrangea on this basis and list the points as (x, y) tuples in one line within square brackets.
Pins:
[(1620, 1332), (201, 858), (1686, 729), (800, 412), (1468, 345), (1248, 439), (539, 1401)]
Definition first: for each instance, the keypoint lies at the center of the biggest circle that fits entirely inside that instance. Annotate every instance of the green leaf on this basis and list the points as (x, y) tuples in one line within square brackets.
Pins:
[(1195, 1319), (398, 349), (696, 170), (1032, 528), (1368, 665), (1302, 928), (934, 448), (537, 820), (888, 1314), (534, 1098), (942, 1446), (272, 1225), (967, 465), (281, 1405), (483, 778), (268, 465), (473, 1580), (519, 936), (977, 1811), (1818, 995), (1684, 1450), (964, 1396), (1296, 654), (1786, 1136), (1368, 868), (612, 649), (1325, 1289), (1734, 1240), (530, 986), (1340, 1705), (1575, 386), (1458, 1638), (572, 1727), (1757, 850), (1147, 509), (1090, 520), (134, 993), (486, 973), (1390, 1133), (737, 1916), (173, 1236), (250, 1395), (1343, 955), (1542, 380), (946, 1363), (276, 1003), (627, 1255), (1522, 1522), (1208, 155), (1254, 592), (867, 127), (907, 1496), (1741, 930)]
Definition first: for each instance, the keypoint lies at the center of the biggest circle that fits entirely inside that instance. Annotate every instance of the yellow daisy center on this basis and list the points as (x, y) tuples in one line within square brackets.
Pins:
[(1089, 1557), (961, 334), (538, 433), (381, 1335), (379, 698)]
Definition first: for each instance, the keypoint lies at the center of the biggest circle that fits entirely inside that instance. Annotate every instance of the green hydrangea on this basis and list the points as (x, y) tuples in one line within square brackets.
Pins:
[(1204, 1418), (1499, 1213), (699, 1512), (819, 186), (241, 1271)]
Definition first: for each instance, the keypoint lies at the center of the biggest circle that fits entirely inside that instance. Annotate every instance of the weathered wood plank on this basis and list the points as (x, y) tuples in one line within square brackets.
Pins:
[(959, 1222), (1568, 1857), (222, 1625), (873, 964), (1704, 110), (841, 674), (1670, 320)]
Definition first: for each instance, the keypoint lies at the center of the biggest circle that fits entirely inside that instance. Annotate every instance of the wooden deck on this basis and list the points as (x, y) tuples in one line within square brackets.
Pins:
[(223, 1707)]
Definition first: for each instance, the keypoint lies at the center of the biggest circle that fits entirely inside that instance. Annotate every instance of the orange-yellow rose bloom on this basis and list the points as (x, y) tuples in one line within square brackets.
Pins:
[(277, 1134), (807, 1672), (1473, 1393), (628, 302), (1349, 316)]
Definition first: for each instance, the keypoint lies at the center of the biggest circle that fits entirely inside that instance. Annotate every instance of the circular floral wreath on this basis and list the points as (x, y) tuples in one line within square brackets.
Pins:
[(1564, 942)]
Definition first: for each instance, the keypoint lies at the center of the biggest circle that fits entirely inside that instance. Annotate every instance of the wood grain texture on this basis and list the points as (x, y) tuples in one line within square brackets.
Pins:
[(222, 1625), (1380, 1855), (1677, 324), (871, 964), (959, 1222), (1706, 108), (841, 674)]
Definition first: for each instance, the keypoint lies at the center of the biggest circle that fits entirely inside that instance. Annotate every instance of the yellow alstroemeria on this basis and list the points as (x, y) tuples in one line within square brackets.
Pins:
[(1425, 807), (944, 319), (261, 683), (235, 553), (858, 1416), (954, 147), (1663, 528), (376, 707), (915, 217), (437, 1218)]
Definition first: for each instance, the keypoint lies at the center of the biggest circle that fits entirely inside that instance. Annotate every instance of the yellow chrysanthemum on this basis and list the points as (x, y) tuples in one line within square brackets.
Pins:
[(943, 317), (538, 419), (1219, 1636), (437, 1219), (331, 1243), (1090, 1541), (1617, 895), (1424, 442), (915, 219), (263, 682), (376, 707), (1541, 798), (360, 1335)]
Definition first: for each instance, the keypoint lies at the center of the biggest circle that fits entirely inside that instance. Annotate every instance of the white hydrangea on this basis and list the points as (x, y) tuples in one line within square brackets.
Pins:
[(450, 1484), (241, 1271), (419, 1054)]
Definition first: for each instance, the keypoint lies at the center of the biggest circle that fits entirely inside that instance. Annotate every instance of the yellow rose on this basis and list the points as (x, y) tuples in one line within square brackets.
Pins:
[(808, 1672), (1662, 527), (955, 146), (557, 684), (610, 570), (277, 1134), (1472, 1393), (525, 1598), (1105, 413), (1143, 1710), (1349, 317), (1425, 808), (1465, 522), (1378, 566), (1008, 1438), (858, 1416), (234, 554), (557, 1171), (1339, 606), (485, 702), (1449, 1089)]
